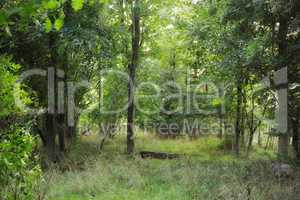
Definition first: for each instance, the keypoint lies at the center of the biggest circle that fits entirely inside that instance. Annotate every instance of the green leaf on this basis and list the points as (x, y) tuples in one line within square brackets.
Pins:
[(59, 23), (48, 25), (7, 30), (3, 17), (91, 2), (77, 4), (52, 4), (216, 102)]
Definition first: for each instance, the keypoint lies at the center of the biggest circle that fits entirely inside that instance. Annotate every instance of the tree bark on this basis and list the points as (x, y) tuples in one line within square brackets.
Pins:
[(61, 133), (243, 116), (132, 73), (221, 114), (283, 141), (259, 137), (252, 129), (50, 137), (50, 127), (296, 138), (238, 116)]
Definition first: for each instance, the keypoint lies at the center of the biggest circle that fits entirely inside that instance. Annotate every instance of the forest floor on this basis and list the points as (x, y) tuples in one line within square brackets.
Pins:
[(204, 172)]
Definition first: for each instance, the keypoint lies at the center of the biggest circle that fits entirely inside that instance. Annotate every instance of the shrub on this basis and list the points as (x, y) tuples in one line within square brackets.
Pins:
[(19, 168)]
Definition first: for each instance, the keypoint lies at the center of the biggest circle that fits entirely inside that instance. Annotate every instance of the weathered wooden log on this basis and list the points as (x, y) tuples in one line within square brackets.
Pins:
[(158, 155)]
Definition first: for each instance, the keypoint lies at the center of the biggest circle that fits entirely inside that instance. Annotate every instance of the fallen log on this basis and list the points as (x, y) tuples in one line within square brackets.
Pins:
[(158, 155)]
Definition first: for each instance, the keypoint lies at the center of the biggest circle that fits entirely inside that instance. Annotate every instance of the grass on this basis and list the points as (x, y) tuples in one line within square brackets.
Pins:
[(206, 172)]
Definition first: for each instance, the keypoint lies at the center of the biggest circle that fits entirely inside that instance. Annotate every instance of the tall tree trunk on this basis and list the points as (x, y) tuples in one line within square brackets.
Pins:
[(250, 141), (243, 116), (50, 119), (252, 129), (296, 138), (221, 114), (61, 133), (61, 105), (283, 142), (100, 102), (64, 131), (132, 72), (259, 137), (238, 116), (50, 137)]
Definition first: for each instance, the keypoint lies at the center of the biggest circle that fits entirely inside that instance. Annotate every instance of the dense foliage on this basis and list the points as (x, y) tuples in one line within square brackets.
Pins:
[(169, 68)]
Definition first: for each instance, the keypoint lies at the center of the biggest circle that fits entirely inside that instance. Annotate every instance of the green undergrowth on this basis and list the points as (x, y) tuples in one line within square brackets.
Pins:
[(205, 171)]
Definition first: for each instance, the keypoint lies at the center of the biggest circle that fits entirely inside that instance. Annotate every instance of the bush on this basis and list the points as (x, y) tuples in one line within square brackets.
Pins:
[(19, 168)]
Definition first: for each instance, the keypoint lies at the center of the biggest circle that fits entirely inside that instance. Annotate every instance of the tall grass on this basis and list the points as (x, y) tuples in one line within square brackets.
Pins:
[(205, 172)]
